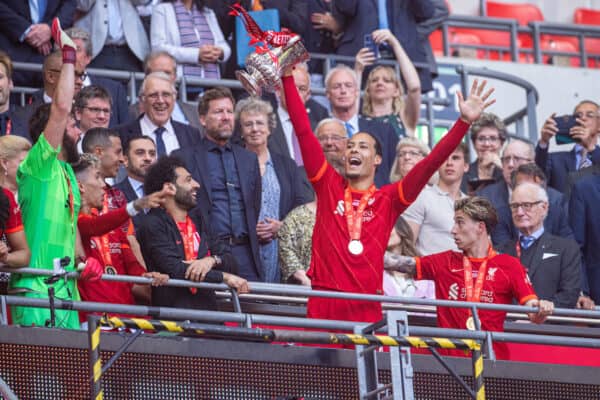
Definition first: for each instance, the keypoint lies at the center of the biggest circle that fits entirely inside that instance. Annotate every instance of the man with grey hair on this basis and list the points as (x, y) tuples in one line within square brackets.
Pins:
[(341, 86), (553, 263), (118, 94), (157, 96), (333, 137)]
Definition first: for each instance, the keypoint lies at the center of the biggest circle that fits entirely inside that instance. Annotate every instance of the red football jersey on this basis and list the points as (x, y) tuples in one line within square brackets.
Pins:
[(14, 223), (505, 280)]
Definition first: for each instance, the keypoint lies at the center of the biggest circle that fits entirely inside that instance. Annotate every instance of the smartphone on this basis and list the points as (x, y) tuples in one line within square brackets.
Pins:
[(371, 45), (564, 123)]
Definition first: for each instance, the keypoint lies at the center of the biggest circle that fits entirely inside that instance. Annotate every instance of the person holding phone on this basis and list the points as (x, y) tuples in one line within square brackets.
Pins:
[(385, 99), (585, 153)]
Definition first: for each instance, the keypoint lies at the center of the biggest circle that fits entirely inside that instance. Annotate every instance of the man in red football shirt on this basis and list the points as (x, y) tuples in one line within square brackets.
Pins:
[(476, 273), (354, 218)]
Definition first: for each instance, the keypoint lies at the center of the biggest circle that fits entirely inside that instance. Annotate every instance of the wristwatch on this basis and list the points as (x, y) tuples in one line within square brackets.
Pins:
[(218, 260)]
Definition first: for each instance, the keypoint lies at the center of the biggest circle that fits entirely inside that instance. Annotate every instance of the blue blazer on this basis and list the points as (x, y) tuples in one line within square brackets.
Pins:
[(585, 221), (556, 222), (558, 165), (187, 135), (247, 164), (19, 119), (388, 139)]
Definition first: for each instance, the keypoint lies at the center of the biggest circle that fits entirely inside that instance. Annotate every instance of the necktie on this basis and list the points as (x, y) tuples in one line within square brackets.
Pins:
[(382, 14), (161, 150), (526, 241), (584, 161), (349, 129)]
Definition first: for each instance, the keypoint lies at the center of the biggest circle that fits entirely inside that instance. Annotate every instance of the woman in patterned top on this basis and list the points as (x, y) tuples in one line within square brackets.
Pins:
[(295, 243), (385, 100), (281, 180)]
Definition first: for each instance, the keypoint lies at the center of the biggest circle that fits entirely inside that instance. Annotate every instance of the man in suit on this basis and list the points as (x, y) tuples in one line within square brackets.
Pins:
[(426, 27), (139, 154), (516, 153), (158, 99), (230, 182), (25, 31), (176, 241), (343, 93), (12, 118), (117, 32), (553, 263), (585, 221), (93, 108), (586, 152), (361, 18), (119, 111), (161, 61)]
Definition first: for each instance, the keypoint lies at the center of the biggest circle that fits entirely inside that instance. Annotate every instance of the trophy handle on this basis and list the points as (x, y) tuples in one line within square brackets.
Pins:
[(249, 83)]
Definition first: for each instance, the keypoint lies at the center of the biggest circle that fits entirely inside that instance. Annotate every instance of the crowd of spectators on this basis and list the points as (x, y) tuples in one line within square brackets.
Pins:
[(156, 186)]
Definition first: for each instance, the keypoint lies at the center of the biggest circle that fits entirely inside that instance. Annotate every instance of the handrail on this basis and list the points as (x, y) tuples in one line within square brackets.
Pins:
[(297, 290)]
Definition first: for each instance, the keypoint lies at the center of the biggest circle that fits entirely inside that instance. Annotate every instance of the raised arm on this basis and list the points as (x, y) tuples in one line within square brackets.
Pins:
[(312, 153), (65, 89), (470, 110)]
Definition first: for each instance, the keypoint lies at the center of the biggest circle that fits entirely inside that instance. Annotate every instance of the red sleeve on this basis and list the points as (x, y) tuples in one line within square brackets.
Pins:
[(412, 184), (14, 223), (132, 265), (312, 153), (98, 225)]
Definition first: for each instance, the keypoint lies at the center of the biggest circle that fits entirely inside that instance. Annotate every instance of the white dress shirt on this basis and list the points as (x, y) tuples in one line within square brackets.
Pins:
[(169, 137)]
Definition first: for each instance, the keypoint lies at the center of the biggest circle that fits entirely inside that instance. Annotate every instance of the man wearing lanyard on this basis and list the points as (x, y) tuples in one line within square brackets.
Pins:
[(175, 241), (354, 219), (49, 196), (476, 273)]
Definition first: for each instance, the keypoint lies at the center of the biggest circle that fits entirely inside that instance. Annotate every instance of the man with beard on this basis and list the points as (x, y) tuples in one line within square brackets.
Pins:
[(140, 154), (230, 191), (49, 196), (175, 241)]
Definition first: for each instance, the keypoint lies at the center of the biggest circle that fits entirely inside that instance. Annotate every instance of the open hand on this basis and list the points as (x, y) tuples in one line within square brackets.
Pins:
[(364, 58), (198, 269), (549, 130), (158, 279), (472, 108)]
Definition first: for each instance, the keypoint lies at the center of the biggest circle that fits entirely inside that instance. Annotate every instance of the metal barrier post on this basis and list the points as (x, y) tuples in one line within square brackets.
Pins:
[(477, 359), (96, 392), (400, 359)]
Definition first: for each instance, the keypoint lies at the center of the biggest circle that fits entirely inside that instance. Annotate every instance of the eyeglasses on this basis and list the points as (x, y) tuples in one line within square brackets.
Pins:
[(515, 159), (410, 153), (526, 205), (487, 139), (97, 110), (589, 114), (156, 95), (80, 75), (334, 138)]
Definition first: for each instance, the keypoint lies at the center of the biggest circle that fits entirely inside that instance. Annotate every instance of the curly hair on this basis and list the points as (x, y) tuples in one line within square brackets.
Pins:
[(161, 172), (478, 209)]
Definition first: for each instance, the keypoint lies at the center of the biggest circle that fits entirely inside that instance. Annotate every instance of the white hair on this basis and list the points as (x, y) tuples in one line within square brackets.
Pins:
[(338, 68), (157, 75)]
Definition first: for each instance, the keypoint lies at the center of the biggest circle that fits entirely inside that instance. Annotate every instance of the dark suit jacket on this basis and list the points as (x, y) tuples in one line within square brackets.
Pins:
[(15, 18), (187, 135), (292, 183), (19, 119), (359, 18), (554, 269), (558, 165), (389, 141), (247, 164), (425, 28), (125, 187), (585, 221), (163, 251), (556, 222), (189, 111), (471, 178), (119, 110), (575, 176)]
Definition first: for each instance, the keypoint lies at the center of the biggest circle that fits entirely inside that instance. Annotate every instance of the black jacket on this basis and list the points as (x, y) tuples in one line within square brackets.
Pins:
[(163, 251)]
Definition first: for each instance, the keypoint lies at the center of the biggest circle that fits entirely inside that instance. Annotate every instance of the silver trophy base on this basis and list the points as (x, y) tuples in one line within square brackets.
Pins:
[(249, 83)]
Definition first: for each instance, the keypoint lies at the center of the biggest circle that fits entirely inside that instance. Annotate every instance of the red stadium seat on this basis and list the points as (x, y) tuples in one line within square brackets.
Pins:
[(524, 14), (587, 16)]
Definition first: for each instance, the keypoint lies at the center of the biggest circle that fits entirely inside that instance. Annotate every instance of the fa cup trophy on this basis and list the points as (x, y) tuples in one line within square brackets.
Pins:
[(265, 66)]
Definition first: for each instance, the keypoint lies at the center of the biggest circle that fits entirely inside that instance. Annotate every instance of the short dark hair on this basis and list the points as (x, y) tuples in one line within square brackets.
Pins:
[(38, 121), (161, 172), (216, 93), (97, 137), (127, 144), (464, 149), (488, 120), (531, 170), (91, 92), (378, 147), (478, 209), (7, 62)]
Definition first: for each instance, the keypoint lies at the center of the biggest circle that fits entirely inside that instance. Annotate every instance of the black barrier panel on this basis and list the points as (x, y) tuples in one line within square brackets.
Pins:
[(51, 372)]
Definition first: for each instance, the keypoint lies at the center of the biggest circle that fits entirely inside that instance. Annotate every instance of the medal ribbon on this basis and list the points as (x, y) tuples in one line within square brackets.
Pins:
[(102, 242), (187, 235), (474, 295), (354, 218)]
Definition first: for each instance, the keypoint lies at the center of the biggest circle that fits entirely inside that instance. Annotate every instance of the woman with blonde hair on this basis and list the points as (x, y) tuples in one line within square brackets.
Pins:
[(13, 150), (409, 152), (385, 99)]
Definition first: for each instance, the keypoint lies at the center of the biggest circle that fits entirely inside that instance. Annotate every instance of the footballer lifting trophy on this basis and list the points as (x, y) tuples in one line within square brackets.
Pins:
[(265, 66)]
